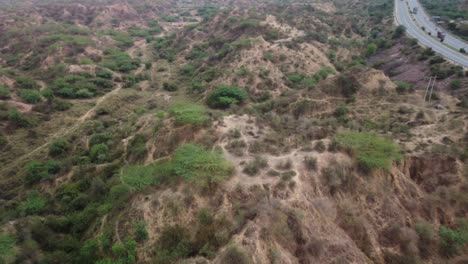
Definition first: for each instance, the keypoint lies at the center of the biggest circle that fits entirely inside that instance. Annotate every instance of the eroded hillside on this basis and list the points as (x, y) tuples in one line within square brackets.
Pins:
[(227, 132)]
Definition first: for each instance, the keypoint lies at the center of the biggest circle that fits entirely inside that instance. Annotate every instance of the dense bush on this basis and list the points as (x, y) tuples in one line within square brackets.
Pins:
[(119, 61), (99, 153), (30, 96), (455, 84), (138, 176), (254, 166), (103, 73), (371, 151), (137, 147), (453, 239), (189, 113), (224, 96), (190, 162), (4, 92), (163, 48), (205, 168), (24, 82), (37, 170), (173, 244), (33, 204), (19, 119), (404, 87), (140, 232), (6, 245), (348, 85), (169, 86), (59, 147), (399, 31), (79, 86)]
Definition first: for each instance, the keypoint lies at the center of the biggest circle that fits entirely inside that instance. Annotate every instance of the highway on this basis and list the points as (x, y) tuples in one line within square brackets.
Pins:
[(448, 49)]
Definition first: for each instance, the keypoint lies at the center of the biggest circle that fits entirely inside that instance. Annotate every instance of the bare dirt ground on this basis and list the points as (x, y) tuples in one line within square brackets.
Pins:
[(20, 106)]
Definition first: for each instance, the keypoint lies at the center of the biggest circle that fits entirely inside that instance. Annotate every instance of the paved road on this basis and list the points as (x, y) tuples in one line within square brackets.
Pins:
[(448, 49), (423, 19)]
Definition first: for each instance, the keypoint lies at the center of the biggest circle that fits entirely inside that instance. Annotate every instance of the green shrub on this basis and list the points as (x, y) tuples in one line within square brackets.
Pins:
[(187, 70), (30, 96), (4, 92), (348, 85), (205, 168), (24, 82), (119, 192), (169, 86), (38, 170), (33, 204), (89, 251), (204, 216), (190, 162), (371, 151), (453, 239), (234, 255), (119, 61), (399, 31), (197, 87), (48, 94), (99, 153), (78, 86), (173, 244), (19, 119), (59, 147), (61, 105), (295, 77), (103, 73), (310, 163), (224, 96), (137, 147), (371, 49), (100, 138), (122, 39), (3, 141), (436, 59), (138, 176), (140, 232), (455, 84), (403, 87), (6, 245), (341, 111), (189, 113), (254, 166), (427, 239), (163, 48)]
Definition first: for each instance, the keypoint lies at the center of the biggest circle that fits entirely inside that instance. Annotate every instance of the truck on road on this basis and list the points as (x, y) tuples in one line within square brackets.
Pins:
[(441, 35)]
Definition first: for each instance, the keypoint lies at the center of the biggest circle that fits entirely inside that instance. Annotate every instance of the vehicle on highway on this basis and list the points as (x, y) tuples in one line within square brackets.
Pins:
[(441, 35)]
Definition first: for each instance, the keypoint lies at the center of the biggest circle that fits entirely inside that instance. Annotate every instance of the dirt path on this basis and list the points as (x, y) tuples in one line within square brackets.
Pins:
[(22, 107)]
